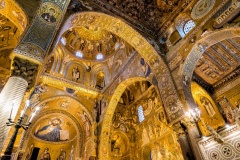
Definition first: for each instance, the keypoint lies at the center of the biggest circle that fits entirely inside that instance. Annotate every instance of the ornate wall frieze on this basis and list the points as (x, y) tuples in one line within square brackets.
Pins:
[(196, 30), (60, 82), (201, 8), (227, 13)]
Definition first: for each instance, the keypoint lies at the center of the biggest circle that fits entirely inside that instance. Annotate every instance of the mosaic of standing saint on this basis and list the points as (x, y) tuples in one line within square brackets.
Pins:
[(49, 17)]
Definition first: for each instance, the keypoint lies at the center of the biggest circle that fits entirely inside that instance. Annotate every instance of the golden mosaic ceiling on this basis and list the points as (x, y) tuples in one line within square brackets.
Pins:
[(219, 60), (9, 33), (9, 36), (87, 42)]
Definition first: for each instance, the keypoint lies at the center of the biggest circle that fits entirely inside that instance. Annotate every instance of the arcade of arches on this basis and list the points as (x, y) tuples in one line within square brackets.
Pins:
[(122, 80)]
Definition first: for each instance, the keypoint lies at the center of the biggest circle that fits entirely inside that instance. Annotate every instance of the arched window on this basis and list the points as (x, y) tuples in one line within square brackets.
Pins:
[(64, 41), (140, 114), (79, 54), (188, 26), (99, 56)]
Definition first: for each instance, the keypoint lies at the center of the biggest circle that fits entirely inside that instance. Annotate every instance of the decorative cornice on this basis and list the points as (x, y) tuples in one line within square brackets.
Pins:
[(227, 79), (202, 83), (60, 82)]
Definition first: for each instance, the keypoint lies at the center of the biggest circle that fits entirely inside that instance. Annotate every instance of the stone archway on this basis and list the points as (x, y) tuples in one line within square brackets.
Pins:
[(171, 100), (196, 53), (107, 121)]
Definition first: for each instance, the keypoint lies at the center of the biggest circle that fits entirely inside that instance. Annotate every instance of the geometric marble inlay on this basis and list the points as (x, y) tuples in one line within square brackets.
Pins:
[(229, 149)]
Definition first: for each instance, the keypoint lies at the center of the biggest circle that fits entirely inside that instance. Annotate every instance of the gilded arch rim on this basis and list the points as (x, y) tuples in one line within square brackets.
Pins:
[(107, 121)]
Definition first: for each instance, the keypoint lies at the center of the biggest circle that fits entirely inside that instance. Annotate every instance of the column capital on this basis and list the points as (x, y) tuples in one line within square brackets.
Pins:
[(24, 69), (188, 123), (178, 129)]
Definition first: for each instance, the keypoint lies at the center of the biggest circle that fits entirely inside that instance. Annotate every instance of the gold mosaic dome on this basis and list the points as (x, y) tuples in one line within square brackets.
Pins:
[(90, 43)]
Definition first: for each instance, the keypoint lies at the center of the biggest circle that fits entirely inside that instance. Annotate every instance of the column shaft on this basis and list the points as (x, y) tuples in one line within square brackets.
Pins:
[(185, 147), (193, 134), (10, 100)]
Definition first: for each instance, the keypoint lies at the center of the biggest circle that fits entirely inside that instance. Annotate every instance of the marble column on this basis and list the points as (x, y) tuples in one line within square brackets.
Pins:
[(183, 141), (193, 136), (10, 100)]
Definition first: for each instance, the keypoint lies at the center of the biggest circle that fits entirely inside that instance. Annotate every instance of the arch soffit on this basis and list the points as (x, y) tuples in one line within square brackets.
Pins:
[(196, 53), (59, 52), (12, 10)]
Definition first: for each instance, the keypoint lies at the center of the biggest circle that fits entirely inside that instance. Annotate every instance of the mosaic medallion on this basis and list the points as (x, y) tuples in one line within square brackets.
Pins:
[(214, 155), (237, 146), (202, 8), (227, 151)]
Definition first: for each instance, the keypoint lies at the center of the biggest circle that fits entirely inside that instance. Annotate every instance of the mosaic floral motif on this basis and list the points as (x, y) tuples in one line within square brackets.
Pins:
[(214, 155), (227, 151), (237, 145)]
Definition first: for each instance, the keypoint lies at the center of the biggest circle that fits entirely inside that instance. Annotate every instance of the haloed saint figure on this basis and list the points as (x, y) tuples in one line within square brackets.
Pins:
[(49, 17), (50, 132)]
